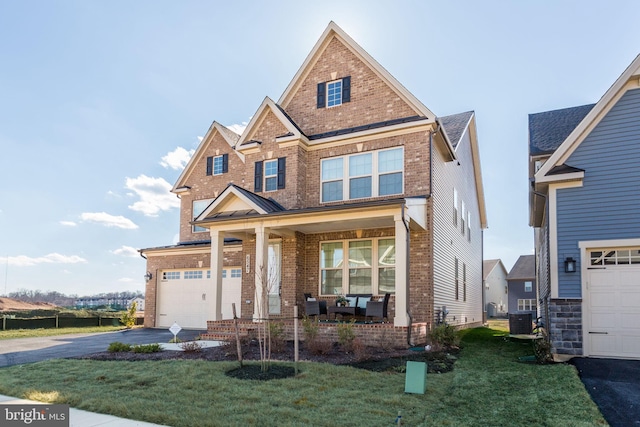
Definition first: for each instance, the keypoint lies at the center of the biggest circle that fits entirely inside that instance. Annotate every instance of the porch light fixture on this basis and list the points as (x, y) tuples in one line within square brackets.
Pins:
[(148, 276), (569, 265)]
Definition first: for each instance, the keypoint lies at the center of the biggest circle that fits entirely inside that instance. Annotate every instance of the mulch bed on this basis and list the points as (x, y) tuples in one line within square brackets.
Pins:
[(370, 358)]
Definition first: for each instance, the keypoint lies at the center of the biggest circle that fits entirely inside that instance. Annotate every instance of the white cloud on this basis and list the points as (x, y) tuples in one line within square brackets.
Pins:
[(53, 258), (177, 159), (155, 195), (239, 128), (108, 220), (68, 223), (127, 280), (126, 251)]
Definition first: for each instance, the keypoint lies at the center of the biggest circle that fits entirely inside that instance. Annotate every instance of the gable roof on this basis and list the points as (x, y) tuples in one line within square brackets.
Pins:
[(489, 265), (269, 106), (227, 134), (523, 269), (251, 202), (455, 125), (628, 79), (334, 31), (547, 130)]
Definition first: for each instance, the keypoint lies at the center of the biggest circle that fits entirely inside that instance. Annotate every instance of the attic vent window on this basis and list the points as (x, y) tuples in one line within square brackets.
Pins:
[(334, 93)]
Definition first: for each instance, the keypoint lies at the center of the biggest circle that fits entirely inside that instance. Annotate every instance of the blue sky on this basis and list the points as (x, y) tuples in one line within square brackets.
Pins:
[(102, 102)]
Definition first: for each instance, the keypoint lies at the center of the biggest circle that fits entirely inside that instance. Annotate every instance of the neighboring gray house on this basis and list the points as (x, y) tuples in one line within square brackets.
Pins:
[(584, 203), (523, 295), (494, 279)]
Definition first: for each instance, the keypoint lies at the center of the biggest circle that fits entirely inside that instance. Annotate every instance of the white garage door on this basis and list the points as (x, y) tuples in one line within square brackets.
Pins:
[(184, 296), (612, 299)]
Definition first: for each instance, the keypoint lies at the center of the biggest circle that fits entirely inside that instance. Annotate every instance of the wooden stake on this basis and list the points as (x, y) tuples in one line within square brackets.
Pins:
[(235, 322)]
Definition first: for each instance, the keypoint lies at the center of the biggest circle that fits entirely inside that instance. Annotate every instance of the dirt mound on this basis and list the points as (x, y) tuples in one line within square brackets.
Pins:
[(10, 304)]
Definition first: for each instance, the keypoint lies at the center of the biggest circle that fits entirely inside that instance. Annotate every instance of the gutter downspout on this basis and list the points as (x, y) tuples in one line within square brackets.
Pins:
[(548, 260)]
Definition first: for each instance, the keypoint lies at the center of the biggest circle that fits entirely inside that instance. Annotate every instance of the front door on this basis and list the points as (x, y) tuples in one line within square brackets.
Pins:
[(274, 276)]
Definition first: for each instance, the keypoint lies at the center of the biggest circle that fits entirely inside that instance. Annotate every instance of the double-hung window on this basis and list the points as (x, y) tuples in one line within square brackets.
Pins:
[(270, 175), (455, 207), (198, 207), (362, 175), (364, 266), (334, 93), (218, 165), (528, 286)]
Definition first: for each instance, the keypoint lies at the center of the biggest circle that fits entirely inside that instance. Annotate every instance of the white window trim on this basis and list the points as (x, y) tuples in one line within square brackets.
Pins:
[(455, 207), (327, 93), (523, 303), (530, 286), (375, 175), (265, 176), (213, 166), (375, 266)]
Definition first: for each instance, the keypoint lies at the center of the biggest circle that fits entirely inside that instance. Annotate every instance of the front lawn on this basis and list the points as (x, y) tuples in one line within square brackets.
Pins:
[(487, 387), (51, 332)]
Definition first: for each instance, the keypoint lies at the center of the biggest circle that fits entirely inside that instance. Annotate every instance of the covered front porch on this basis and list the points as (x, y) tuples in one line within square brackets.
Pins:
[(289, 253)]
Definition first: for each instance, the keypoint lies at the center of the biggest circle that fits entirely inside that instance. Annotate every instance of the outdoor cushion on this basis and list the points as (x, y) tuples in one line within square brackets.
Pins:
[(362, 302), (311, 299), (352, 301)]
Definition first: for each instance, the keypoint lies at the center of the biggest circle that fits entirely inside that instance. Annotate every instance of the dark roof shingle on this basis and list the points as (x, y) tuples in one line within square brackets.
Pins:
[(455, 125), (549, 129), (523, 269)]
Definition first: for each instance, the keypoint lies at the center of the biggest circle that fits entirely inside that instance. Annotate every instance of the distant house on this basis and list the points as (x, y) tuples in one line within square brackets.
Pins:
[(494, 278), (523, 294), (584, 169), (139, 303)]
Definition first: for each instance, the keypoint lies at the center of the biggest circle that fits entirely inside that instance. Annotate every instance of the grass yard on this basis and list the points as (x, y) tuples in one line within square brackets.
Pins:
[(50, 332), (488, 387)]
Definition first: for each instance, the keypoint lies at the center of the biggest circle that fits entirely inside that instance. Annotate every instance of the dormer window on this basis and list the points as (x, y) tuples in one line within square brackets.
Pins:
[(334, 93)]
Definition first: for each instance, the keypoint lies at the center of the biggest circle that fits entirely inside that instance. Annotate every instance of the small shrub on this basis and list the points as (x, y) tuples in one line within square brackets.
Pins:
[(444, 336), (128, 318), (191, 347), (346, 335), (147, 348), (278, 343), (175, 340), (310, 327), (117, 347), (359, 350)]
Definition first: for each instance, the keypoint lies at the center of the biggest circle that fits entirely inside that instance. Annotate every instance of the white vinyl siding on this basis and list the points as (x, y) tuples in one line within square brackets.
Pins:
[(452, 184)]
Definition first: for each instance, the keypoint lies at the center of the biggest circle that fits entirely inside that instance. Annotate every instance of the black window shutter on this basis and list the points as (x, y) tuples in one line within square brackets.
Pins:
[(346, 89), (257, 180), (282, 172), (209, 165), (225, 163), (321, 95)]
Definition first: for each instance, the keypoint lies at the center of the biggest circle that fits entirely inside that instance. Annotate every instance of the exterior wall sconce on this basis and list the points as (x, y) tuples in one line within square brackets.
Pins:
[(569, 265), (148, 276)]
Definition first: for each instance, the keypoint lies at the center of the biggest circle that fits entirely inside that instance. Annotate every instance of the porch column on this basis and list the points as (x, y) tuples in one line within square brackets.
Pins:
[(214, 305), (261, 273), (402, 272)]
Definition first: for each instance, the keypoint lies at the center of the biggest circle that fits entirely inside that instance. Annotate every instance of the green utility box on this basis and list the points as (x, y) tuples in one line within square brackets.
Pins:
[(416, 378)]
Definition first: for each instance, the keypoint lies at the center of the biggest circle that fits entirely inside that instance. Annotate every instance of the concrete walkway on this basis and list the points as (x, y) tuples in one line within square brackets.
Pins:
[(79, 418)]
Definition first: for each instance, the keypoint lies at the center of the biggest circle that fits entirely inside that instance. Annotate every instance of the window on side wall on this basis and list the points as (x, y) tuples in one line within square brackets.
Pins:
[(528, 286), (455, 207), (198, 207), (527, 305)]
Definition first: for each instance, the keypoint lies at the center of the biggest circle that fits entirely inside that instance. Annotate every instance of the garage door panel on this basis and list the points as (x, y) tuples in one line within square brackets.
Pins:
[(612, 319), (630, 345)]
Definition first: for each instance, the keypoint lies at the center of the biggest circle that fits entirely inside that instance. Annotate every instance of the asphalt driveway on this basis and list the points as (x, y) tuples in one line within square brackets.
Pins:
[(29, 350), (614, 385)]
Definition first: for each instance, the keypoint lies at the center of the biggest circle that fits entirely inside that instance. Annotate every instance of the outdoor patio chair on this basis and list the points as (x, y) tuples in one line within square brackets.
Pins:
[(313, 307), (377, 308)]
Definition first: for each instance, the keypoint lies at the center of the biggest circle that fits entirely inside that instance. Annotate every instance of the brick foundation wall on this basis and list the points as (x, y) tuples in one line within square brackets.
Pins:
[(565, 329)]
